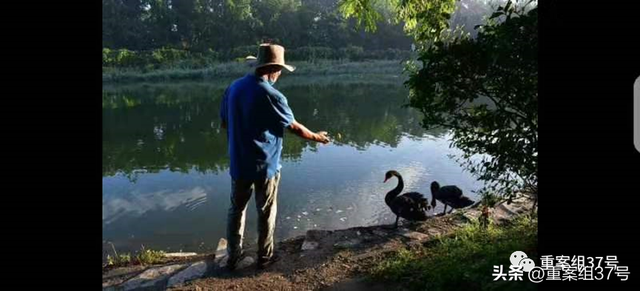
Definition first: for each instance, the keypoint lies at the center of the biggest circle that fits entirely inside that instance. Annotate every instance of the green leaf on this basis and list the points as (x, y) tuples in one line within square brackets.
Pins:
[(496, 14)]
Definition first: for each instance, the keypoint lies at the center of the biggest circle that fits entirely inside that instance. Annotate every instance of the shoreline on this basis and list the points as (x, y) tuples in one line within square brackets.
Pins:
[(317, 260), (230, 70)]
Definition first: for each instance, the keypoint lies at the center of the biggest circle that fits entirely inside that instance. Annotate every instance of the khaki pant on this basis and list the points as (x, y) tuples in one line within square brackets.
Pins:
[(266, 191)]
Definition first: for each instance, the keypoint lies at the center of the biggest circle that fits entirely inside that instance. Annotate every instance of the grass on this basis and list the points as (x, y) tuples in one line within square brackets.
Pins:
[(149, 257), (119, 260), (463, 261), (144, 257), (236, 69)]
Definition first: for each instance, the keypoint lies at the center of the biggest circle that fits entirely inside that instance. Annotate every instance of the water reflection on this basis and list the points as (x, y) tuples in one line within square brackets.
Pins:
[(177, 127), (165, 180)]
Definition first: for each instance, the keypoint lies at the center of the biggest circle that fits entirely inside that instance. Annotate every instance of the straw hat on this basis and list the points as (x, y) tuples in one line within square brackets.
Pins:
[(250, 60), (271, 54)]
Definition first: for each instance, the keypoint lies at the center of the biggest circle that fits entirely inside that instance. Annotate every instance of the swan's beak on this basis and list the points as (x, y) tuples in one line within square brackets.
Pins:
[(385, 180)]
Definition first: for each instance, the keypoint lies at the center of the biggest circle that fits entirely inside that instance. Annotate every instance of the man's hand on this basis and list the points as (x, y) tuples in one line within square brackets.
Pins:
[(321, 136), (301, 131)]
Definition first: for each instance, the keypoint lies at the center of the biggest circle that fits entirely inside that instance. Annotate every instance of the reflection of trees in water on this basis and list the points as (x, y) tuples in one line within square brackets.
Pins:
[(177, 127)]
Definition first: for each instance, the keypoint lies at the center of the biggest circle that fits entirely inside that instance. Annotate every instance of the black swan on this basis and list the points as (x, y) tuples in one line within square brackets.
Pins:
[(449, 196), (412, 206)]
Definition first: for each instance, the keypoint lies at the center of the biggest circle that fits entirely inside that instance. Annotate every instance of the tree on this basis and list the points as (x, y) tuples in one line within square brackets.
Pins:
[(222, 25), (484, 89), (122, 24), (185, 13)]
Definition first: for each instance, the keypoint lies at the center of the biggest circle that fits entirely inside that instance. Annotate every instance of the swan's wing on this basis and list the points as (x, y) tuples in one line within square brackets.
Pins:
[(418, 199), (462, 201), (408, 208), (415, 196), (450, 191)]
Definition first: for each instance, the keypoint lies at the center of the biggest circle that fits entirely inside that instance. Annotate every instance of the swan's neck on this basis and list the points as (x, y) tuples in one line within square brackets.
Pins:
[(395, 192), (434, 195)]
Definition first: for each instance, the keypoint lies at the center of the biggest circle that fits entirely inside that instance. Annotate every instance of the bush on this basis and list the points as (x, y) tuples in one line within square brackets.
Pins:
[(127, 58), (122, 58), (170, 58), (240, 52), (486, 90), (354, 53), (149, 257), (161, 58), (107, 60), (119, 260), (168, 55)]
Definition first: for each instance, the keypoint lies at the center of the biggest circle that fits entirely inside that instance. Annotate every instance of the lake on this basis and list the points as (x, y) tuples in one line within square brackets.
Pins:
[(165, 166)]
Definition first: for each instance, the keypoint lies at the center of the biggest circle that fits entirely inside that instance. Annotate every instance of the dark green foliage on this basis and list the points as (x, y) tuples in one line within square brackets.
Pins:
[(223, 25), (483, 88), (158, 58), (168, 58)]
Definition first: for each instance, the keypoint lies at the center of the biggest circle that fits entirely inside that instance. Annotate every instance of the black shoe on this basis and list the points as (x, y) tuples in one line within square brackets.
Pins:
[(263, 263), (232, 263)]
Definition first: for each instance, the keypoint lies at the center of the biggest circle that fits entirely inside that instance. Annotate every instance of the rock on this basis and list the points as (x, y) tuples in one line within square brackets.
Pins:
[(369, 238), (179, 255), (222, 262), (433, 232), (128, 272), (505, 212), (519, 205), (470, 215), (380, 232), (508, 210), (349, 243), (414, 235), (309, 245), (246, 262), (364, 256), (195, 271), (317, 235), (414, 243), (151, 277), (312, 238), (221, 250)]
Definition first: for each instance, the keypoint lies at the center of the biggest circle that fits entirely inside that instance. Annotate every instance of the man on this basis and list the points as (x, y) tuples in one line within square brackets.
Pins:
[(255, 115)]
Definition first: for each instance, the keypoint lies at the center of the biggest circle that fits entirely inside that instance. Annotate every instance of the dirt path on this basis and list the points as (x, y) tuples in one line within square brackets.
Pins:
[(336, 263)]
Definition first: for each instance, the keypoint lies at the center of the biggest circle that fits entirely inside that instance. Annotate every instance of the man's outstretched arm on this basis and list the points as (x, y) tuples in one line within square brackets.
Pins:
[(301, 131)]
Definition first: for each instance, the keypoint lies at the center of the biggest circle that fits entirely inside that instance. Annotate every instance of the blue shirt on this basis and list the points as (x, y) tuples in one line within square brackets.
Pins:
[(256, 115)]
